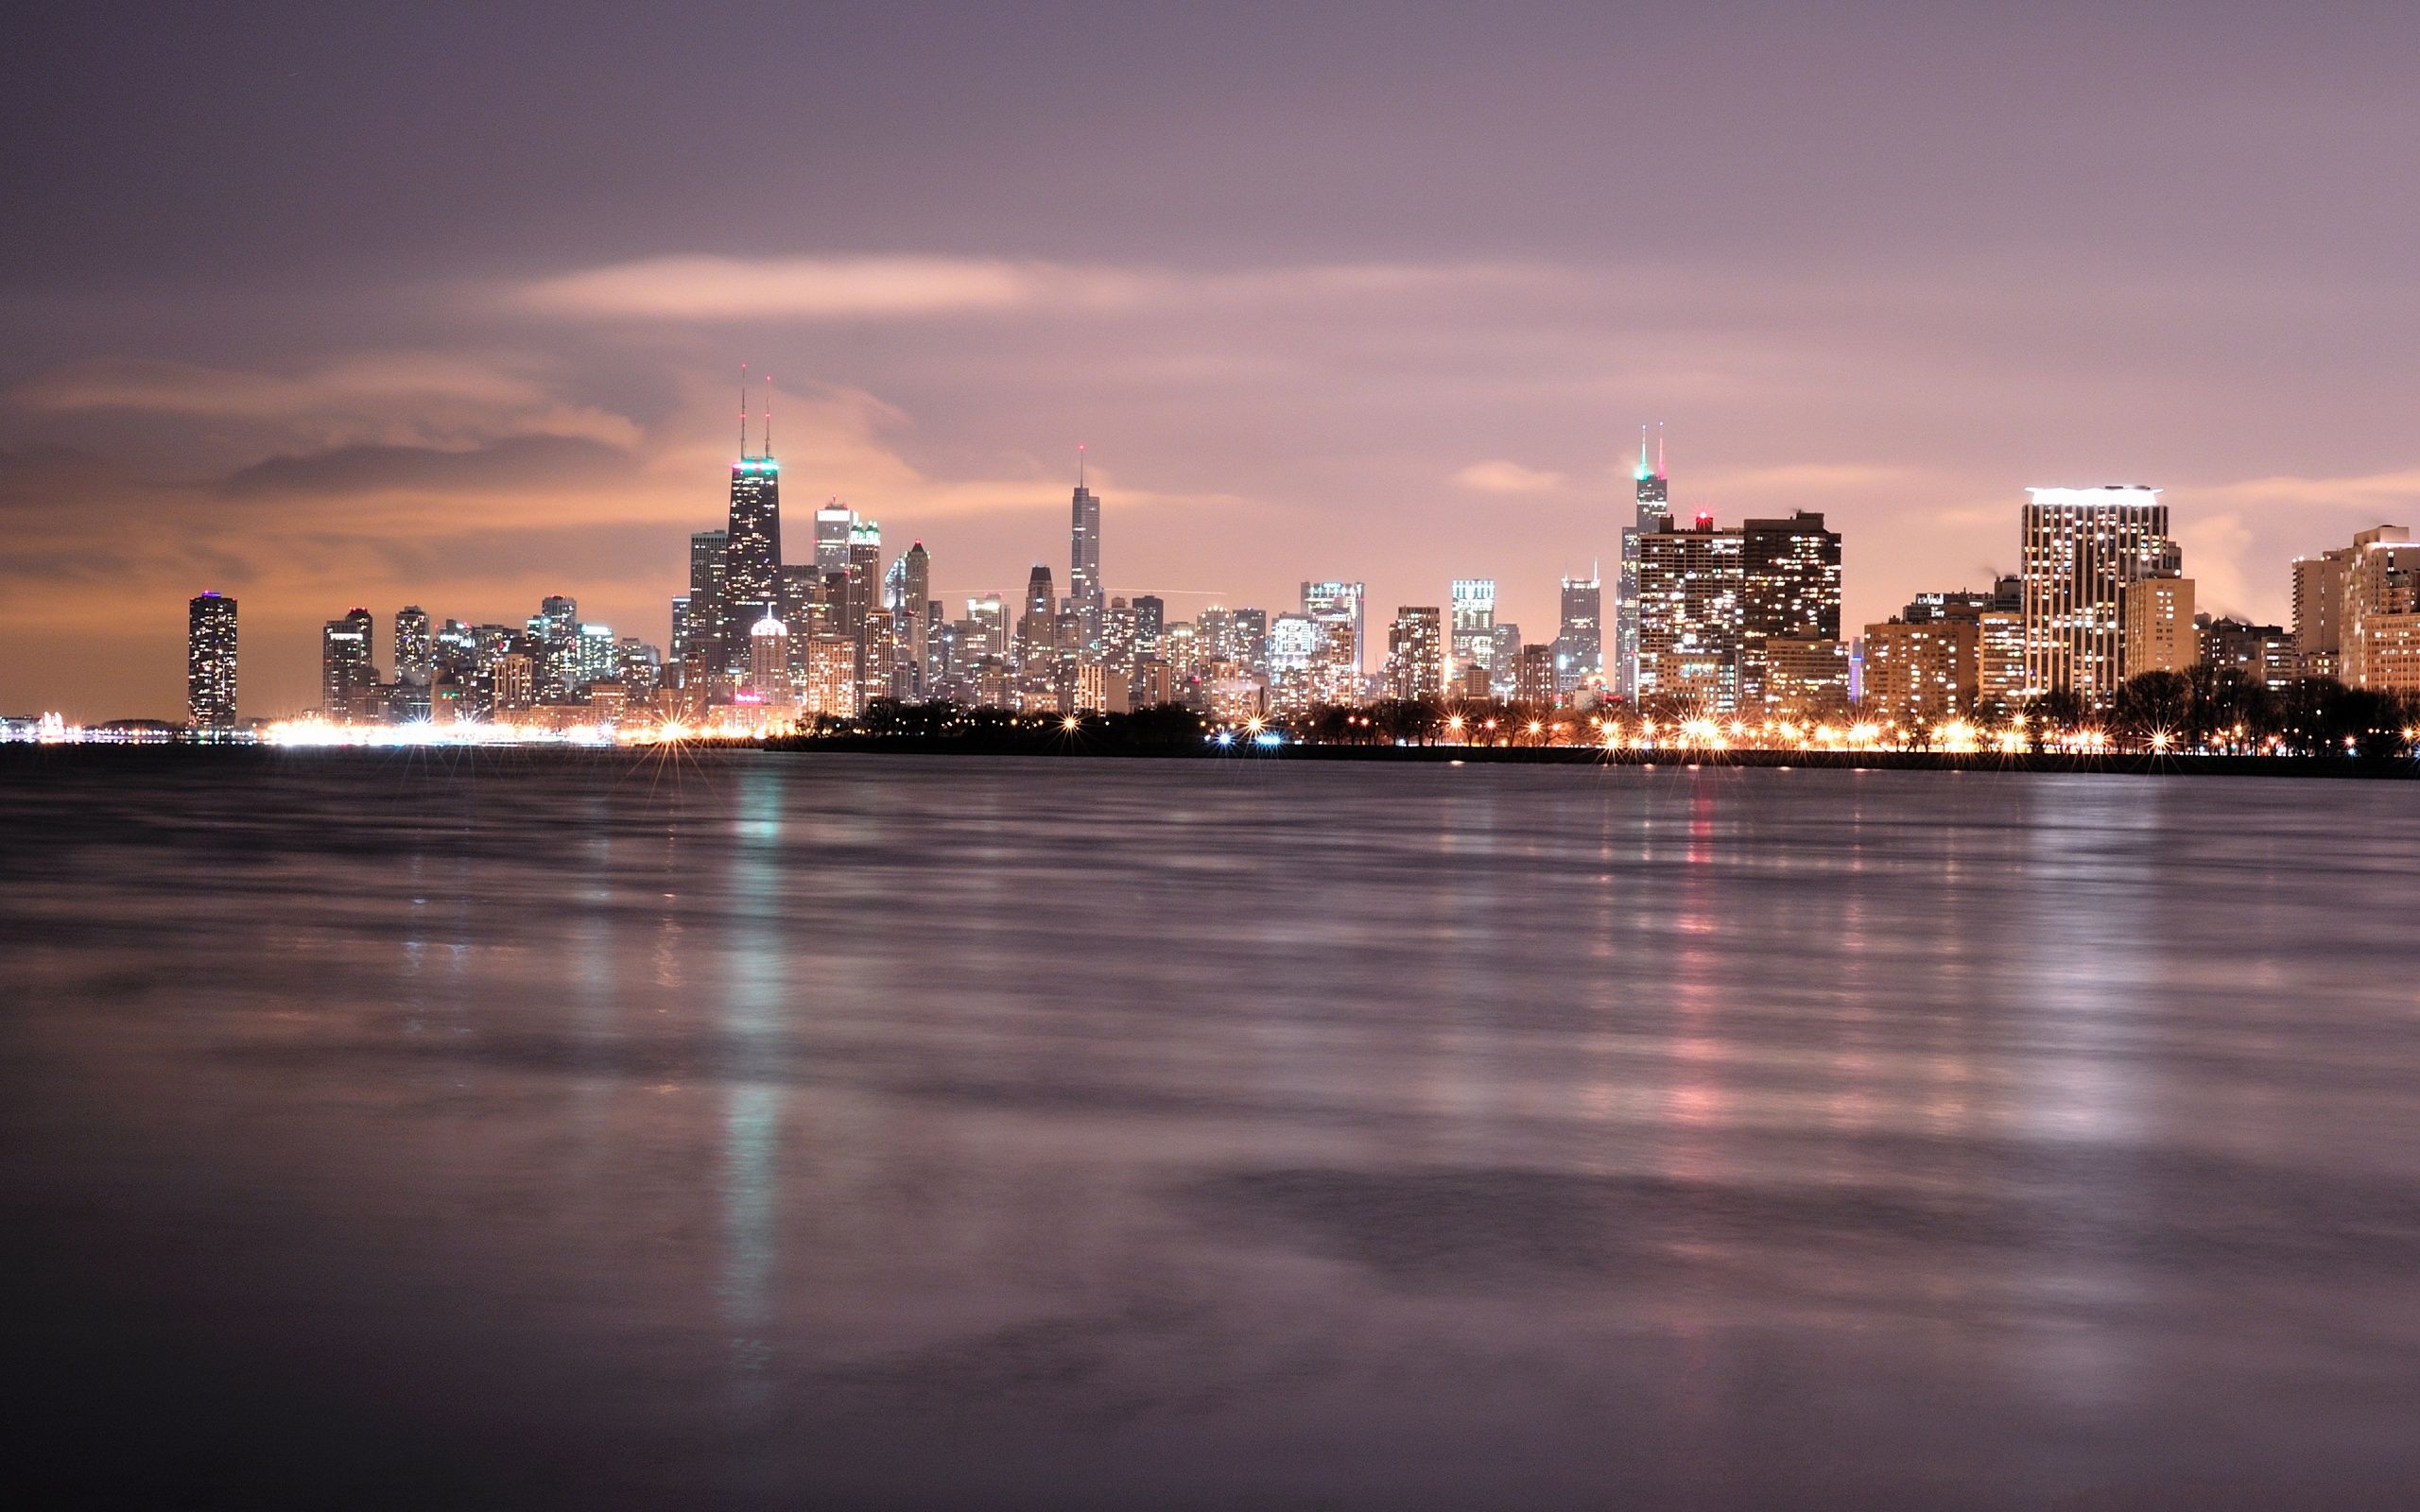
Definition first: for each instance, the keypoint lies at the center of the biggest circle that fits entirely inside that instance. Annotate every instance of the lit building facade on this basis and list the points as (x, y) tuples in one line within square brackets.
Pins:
[(1416, 654), (1579, 633), (209, 662), (348, 676), (1473, 642), (2081, 548), (1790, 589), (1650, 507), (1919, 674), (2159, 636), (1690, 615)]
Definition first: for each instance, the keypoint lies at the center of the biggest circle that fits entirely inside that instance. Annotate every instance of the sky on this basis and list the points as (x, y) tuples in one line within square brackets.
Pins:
[(445, 304)]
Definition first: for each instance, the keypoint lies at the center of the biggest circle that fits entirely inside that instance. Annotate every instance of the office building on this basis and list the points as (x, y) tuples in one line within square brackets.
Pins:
[(1473, 642), (1579, 634), (2081, 548), (1083, 565), (1790, 589), (1338, 603), (1416, 654), (1650, 507), (2265, 654), (1806, 680), (2378, 615), (1689, 616)]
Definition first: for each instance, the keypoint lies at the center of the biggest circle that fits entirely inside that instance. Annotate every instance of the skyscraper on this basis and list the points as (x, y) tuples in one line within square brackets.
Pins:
[(753, 546), (1579, 638), (1651, 505), (554, 632), (1690, 615), (1789, 590), (1083, 569), (209, 662), (2081, 547), (832, 524), (1335, 602), (709, 617), (348, 677), (1474, 624), (1038, 625), (414, 646), (1416, 653)]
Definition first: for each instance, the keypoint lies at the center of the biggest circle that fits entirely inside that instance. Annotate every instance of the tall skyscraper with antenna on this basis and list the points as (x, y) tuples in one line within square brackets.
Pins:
[(1083, 568), (752, 544), (1651, 511)]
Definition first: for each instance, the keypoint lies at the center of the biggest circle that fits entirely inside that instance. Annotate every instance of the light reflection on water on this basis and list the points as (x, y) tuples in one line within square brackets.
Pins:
[(860, 1131)]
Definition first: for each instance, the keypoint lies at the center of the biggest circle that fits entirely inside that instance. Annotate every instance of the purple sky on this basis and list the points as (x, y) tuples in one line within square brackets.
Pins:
[(323, 305)]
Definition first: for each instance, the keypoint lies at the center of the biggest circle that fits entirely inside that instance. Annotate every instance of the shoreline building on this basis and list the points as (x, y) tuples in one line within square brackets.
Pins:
[(210, 662), (1651, 508), (2380, 612), (1335, 602), (2081, 548), (348, 676), (1690, 615), (1789, 590)]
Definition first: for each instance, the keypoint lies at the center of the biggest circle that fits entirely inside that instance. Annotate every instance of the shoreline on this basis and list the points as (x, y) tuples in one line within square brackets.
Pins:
[(1097, 746)]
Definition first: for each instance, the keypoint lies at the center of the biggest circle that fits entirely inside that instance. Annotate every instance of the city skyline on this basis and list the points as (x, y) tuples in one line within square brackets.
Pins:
[(345, 375)]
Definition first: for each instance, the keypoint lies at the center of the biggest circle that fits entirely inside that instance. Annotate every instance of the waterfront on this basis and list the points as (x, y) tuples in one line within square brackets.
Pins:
[(775, 1129)]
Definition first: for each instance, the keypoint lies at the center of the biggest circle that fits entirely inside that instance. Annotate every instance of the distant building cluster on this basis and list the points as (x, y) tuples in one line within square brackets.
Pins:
[(1737, 624)]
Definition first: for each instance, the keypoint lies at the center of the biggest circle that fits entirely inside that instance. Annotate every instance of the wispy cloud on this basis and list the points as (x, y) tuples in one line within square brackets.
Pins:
[(1499, 475), (716, 288), (402, 399)]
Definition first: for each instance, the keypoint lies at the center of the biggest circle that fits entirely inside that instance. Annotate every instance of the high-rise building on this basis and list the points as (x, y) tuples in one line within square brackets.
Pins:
[(2380, 617), (1790, 589), (595, 657), (1416, 654), (209, 662), (1651, 507), (1150, 623), (1919, 674), (1690, 615), (415, 649), (1083, 566), (709, 603), (348, 677), (1580, 637), (554, 635), (2081, 547), (832, 524), (752, 578), (1473, 635), (2159, 634), (1335, 602), (1038, 621)]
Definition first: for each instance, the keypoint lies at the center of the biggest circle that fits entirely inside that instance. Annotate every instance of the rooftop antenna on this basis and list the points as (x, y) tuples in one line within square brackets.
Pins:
[(1659, 449), (768, 417), (1080, 464), (743, 412)]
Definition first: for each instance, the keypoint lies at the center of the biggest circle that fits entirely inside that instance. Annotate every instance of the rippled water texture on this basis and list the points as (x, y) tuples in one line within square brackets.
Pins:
[(852, 1131)]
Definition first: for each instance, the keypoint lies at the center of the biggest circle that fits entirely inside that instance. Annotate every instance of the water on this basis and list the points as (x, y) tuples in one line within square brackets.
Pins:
[(766, 1131)]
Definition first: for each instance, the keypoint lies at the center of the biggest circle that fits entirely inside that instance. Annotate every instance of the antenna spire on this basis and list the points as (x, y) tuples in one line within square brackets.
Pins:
[(1080, 464), (768, 417), (743, 412), (1659, 449)]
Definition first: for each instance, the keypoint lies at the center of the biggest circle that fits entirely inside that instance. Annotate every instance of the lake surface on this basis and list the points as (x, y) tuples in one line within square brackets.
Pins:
[(543, 1130)]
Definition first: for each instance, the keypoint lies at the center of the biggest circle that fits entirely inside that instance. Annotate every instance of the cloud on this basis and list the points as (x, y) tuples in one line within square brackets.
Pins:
[(1502, 476), (518, 461), (737, 288), (713, 288), (393, 398)]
